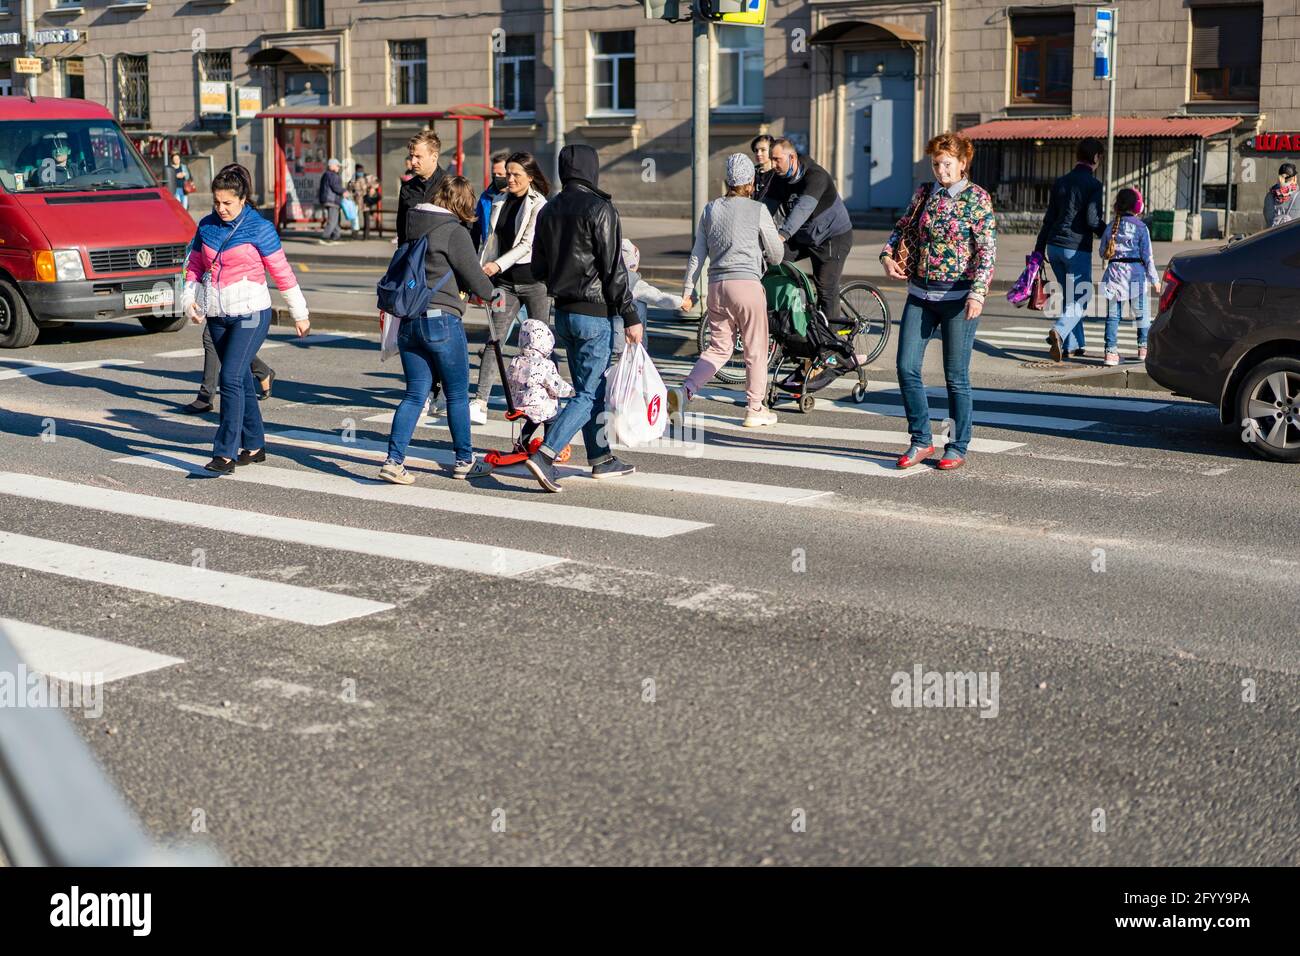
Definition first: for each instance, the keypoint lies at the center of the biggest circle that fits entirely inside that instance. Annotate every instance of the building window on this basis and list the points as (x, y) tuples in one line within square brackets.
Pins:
[(409, 77), (133, 89), (72, 72), (1042, 60), (311, 14), (738, 68), (214, 67), (1225, 53), (513, 72), (613, 72), (6, 78)]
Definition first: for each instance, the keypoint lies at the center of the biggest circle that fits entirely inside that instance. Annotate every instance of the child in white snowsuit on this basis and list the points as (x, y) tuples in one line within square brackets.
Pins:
[(534, 381)]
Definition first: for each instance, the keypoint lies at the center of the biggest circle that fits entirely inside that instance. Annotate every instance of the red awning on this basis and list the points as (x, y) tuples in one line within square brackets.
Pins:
[(1126, 127)]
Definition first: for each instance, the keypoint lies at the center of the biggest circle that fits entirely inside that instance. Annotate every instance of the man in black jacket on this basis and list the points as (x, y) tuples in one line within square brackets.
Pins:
[(812, 220), (330, 194), (1074, 215), (423, 150), (576, 252)]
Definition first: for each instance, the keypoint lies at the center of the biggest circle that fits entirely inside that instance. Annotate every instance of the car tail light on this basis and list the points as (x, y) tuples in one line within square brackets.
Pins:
[(1172, 285)]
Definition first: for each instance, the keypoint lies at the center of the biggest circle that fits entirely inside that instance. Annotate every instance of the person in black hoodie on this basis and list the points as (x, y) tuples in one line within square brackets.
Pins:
[(423, 150), (1073, 217), (577, 253), (434, 346)]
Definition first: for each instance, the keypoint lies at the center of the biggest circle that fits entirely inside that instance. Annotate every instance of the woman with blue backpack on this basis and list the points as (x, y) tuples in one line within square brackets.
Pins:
[(434, 344)]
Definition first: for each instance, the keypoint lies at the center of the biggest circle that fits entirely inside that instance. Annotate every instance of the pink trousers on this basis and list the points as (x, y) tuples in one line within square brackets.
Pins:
[(737, 310)]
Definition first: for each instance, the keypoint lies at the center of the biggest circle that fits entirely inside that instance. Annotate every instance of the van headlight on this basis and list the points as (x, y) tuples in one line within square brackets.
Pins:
[(59, 265)]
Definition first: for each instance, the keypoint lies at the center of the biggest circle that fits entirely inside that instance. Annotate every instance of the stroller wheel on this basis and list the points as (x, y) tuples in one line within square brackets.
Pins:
[(771, 396), (807, 403), (859, 393)]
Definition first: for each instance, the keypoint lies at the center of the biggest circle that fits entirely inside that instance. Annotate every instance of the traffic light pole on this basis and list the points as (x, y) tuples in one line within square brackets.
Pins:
[(29, 41), (1110, 114), (700, 127)]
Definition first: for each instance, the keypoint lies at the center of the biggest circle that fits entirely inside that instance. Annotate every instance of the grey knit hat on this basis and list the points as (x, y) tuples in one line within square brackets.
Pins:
[(740, 169)]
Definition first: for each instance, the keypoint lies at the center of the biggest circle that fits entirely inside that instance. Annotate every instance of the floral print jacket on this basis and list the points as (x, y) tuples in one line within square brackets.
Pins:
[(957, 237)]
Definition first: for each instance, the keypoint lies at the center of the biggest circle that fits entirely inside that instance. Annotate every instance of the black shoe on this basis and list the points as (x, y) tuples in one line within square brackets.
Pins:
[(197, 407), (222, 466), (265, 391), (544, 472), (1079, 353), (251, 458), (612, 468)]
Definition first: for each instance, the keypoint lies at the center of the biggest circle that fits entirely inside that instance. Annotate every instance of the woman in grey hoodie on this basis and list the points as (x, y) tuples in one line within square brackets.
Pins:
[(435, 345), (739, 237)]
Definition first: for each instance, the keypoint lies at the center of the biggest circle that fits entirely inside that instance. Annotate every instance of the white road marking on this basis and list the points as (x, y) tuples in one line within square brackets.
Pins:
[(438, 552), (284, 602), (995, 396), (34, 368), (52, 651), (793, 429), (368, 488)]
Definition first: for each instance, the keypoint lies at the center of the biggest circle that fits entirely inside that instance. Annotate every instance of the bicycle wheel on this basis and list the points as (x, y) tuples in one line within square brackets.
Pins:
[(865, 306), (733, 372)]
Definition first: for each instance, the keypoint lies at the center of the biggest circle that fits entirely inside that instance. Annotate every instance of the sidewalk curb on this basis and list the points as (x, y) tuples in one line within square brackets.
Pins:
[(1131, 376), (665, 342)]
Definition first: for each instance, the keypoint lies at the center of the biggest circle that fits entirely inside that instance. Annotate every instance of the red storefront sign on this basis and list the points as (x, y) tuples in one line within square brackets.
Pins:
[(1277, 143)]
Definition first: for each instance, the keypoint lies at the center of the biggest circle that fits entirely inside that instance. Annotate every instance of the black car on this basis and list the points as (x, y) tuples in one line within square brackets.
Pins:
[(1228, 332)]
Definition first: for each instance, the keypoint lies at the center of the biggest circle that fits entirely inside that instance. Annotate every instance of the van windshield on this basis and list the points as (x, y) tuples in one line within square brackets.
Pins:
[(68, 155)]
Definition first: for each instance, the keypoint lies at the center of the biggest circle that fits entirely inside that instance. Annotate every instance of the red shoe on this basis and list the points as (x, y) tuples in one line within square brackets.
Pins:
[(915, 455), (949, 464)]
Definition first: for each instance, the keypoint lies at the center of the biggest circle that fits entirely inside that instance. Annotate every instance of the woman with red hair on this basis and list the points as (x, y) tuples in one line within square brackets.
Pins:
[(944, 247)]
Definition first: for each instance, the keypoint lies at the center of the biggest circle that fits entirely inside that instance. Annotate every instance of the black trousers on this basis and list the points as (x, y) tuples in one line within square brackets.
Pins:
[(212, 367), (828, 261)]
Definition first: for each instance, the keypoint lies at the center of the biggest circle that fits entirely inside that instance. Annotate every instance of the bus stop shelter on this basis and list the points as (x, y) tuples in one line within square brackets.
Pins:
[(309, 158)]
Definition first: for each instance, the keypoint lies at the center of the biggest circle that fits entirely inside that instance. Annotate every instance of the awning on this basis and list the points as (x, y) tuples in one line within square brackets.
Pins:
[(288, 55), (858, 31), (469, 111), (1126, 127)]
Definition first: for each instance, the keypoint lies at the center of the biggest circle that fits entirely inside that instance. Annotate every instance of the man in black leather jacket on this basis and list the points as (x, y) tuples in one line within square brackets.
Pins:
[(576, 252), (1074, 215)]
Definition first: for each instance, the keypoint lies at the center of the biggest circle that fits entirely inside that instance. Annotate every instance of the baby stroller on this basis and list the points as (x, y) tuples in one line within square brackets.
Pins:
[(806, 351)]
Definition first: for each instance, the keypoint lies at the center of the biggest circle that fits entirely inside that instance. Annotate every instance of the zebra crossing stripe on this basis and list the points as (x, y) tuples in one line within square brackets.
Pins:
[(438, 552), (234, 592), (32, 369), (52, 651)]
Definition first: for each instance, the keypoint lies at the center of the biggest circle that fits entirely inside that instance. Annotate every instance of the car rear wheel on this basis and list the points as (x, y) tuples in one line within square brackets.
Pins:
[(17, 329), (162, 323), (1268, 409)]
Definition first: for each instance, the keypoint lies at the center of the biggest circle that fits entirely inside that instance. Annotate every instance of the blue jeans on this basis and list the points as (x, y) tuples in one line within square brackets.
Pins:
[(429, 346), (585, 340), (1073, 271), (921, 322), (1115, 312), (236, 339)]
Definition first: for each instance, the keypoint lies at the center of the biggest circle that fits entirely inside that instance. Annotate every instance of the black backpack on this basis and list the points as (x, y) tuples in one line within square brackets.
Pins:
[(403, 291)]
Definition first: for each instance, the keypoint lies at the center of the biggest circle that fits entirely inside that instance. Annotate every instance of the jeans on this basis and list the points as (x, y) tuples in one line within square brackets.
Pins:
[(921, 321), (331, 221), (827, 270), (585, 340), (429, 346), (236, 339), (1073, 270), (212, 366), (533, 300), (1115, 312)]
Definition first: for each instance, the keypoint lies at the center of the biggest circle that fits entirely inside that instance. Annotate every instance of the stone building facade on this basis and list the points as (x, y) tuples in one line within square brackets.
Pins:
[(862, 83)]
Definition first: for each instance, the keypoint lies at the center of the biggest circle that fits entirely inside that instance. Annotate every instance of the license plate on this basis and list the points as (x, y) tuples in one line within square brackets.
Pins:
[(149, 298)]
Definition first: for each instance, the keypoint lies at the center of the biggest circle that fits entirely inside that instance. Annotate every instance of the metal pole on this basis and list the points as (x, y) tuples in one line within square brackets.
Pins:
[(700, 126), (557, 58), (234, 122), (1110, 114), (29, 41)]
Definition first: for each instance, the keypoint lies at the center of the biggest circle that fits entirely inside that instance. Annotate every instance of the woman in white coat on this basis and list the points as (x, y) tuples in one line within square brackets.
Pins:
[(507, 255)]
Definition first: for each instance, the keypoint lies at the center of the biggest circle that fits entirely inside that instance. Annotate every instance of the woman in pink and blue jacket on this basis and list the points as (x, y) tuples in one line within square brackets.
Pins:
[(225, 283)]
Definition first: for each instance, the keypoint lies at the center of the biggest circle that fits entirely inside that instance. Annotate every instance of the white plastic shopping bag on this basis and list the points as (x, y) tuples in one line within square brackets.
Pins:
[(388, 326), (636, 400)]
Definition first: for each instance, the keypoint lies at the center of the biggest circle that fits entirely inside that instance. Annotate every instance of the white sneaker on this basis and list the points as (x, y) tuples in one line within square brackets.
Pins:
[(478, 412), (755, 418), (677, 400), (1112, 358)]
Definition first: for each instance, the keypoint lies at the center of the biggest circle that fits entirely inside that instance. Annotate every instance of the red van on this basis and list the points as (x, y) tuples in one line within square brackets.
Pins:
[(87, 233)]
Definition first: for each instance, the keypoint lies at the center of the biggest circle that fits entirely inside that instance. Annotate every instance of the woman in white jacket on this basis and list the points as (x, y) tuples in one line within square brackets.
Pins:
[(507, 254)]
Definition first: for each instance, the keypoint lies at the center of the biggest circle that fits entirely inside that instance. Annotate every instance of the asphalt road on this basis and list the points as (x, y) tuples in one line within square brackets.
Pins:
[(695, 665)]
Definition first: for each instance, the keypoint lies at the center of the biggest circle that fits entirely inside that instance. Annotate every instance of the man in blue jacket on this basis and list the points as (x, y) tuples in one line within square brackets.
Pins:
[(330, 195), (483, 227), (1074, 215)]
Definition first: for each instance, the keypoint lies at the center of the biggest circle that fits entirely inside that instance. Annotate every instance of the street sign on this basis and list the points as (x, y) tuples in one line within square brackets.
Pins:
[(74, 67), (752, 14), (1103, 38), (42, 36), (250, 101), (214, 97), (30, 65)]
